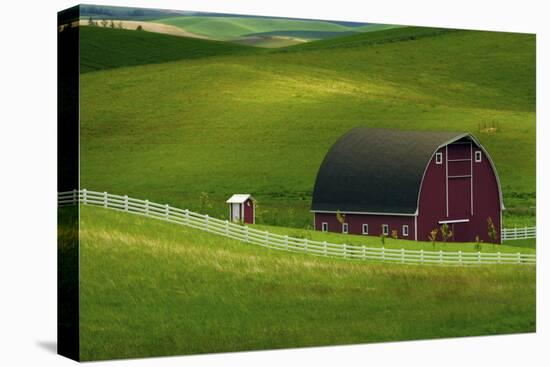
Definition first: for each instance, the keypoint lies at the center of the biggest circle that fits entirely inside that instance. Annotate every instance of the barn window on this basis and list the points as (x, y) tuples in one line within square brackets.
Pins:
[(478, 155), (324, 227), (385, 229), (344, 228), (438, 158), (405, 230), (365, 228)]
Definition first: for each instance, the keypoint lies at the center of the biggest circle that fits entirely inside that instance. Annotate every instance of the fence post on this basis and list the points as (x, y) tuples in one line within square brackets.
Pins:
[(226, 227), (305, 246), (479, 257), (364, 252), (206, 221), (325, 248), (460, 257), (186, 221), (166, 210), (146, 208), (246, 233), (515, 233), (441, 256), (74, 197), (498, 257), (85, 196), (519, 258), (345, 249), (403, 255), (422, 256), (267, 238), (126, 203), (286, 242), (105, 199)]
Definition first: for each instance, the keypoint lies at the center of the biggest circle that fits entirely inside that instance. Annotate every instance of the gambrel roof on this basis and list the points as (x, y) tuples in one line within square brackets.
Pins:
[(378, 171)]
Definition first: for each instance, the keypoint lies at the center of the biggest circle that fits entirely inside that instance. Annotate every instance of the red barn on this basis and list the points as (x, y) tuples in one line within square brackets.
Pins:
[(242, 208), (409, 181)]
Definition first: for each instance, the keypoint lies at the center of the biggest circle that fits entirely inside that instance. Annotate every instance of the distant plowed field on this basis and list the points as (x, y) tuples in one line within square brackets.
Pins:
[(147, 26)]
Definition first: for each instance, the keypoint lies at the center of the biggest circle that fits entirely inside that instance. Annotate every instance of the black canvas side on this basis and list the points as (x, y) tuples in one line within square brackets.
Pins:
[(68, 343)]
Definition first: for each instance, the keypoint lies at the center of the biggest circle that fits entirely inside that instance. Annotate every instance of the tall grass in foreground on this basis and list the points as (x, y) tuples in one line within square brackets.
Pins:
[(151, 288)]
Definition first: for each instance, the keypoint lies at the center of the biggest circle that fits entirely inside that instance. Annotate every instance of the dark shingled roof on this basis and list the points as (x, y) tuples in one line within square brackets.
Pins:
[(376, 170)]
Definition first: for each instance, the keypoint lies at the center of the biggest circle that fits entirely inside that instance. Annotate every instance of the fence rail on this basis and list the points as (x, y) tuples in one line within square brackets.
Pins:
[(286, 243), (519, 233)]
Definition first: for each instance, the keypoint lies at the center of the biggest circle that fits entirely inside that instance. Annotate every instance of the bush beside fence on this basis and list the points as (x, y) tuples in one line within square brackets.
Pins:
[(286, 243)]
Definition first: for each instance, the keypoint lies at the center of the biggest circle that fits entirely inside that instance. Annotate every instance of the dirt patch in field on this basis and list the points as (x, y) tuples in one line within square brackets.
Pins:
[(147, 26)]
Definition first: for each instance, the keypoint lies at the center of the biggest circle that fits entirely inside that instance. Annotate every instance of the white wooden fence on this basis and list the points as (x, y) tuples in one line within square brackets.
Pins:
[(286, 243), (519, 233)]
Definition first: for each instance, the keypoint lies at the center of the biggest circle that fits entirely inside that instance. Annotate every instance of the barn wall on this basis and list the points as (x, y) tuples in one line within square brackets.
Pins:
[(248, 211), (433, 195), (355, 223)]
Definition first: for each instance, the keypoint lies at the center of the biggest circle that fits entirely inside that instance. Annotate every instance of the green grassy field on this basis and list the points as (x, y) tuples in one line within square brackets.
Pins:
[(112, 48), (261, 122), (150, 288)]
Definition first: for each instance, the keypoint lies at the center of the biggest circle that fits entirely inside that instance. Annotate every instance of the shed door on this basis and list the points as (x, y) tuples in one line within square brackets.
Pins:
[(235, 212)]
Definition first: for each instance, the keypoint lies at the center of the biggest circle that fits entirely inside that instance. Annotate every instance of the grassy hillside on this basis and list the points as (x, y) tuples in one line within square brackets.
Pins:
[(262, 123), (105, 48), (152, 288), (266, 32), (228, 28)]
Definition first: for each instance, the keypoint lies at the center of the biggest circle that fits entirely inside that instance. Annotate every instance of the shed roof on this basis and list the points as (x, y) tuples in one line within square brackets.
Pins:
[(239, 198), (377, 170)]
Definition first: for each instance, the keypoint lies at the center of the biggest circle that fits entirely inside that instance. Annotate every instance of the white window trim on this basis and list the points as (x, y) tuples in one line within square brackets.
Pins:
[(363, 226), (324, 226), (478, 154), (345, 228), (438, 158), (405, 230), (385, 229)]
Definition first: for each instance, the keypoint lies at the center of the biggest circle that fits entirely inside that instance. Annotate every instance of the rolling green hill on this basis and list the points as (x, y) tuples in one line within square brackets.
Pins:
[(104, 48), (262, 122), (251, 29), (150, 288), (229, 28)]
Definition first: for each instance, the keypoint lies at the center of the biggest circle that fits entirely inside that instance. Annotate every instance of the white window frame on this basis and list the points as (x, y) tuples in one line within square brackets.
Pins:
[(365, 225), (405, 230), (324, 226), (438, 158), (478, 156), (345, 228), (385, 229)]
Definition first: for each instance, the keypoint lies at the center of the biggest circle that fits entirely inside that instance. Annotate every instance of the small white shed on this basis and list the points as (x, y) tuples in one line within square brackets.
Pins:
[(241, 208)]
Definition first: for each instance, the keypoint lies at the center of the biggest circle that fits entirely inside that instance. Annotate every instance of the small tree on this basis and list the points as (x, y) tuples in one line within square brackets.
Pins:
[(91, 21), (120, 25), (491, 230), (433, 237), (139, 28), (394, 234), (446, 232), (341, 218), (112, 24), (477, 246), (104, 22), (205, 203)]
